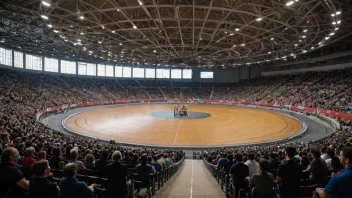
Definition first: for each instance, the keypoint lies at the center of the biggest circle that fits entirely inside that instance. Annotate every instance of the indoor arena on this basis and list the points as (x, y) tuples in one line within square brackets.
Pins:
[(175, 98)]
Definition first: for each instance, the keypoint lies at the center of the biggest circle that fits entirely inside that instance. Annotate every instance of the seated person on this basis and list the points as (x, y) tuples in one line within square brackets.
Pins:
[(11, 178), (40, 186), (117, 176), (143, 171), (340, 185), (318, 168), (239, 172), (70, 186), (263, 181)]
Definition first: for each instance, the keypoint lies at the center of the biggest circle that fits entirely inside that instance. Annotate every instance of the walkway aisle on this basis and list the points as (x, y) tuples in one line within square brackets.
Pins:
[(192, 180)]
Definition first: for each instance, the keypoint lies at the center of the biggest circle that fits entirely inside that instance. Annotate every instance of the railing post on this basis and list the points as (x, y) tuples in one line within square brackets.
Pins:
[(222, 180), (226, 185), (153, 186), (132, 188), (158, 178)]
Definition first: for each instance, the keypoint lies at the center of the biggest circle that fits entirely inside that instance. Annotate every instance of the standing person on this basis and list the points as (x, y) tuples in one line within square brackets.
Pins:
[(340, 185), (238, 173), (72, 188), (11, 178), (289, 174), (117, 176), (252, 164), (40, 186), (263, 181)]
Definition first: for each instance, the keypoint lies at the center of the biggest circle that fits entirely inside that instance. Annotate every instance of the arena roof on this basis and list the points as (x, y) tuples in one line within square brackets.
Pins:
[(174, 32)]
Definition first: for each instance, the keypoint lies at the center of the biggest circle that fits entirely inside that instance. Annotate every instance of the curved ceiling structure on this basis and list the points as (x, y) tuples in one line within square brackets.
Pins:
[(172, 32)]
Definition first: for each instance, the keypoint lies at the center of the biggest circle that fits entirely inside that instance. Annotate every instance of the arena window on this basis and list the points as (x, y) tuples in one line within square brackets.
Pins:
[(51, 65), (118, 71), (68, 67), (138, 72), (149, 73), (206, 74), (162, 73), (187, 73), (101, 70), (91, 69), (34, 62), (5, 56), (18, 59), (126, 72), (176, 73), (109, 70), (82, 68)]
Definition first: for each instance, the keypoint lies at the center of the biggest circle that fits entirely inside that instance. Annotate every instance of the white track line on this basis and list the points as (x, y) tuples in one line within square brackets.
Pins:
[(177, 131), (192, 181)]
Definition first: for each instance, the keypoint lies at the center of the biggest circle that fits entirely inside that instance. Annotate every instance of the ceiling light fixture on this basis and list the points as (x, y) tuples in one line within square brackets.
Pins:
[(332, 15), (272, 39), (113, 31), (338, 12), (304, 36), (327, 38), (44, 17), (56, 31), (305, 30), (334, 23), (290, 3), (134, 26), (338, 22), (237, 29), (140, 2), (234, 45), (82, 33), (259, 19), (332, 33), (81, 17), (120, 43), (46, 3), (336, 29), (50, 26), (243, 44), (231, 34)]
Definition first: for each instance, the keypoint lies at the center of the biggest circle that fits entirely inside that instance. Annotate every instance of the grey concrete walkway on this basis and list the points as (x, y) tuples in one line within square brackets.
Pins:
[(192, 180)]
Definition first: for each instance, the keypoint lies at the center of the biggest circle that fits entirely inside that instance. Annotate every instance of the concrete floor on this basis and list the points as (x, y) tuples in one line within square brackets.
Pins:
[(193, 180)]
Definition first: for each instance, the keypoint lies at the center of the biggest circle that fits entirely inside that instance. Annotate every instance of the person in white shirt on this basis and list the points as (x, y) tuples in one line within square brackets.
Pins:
[(330, 154), (252, 165), (323, 153)]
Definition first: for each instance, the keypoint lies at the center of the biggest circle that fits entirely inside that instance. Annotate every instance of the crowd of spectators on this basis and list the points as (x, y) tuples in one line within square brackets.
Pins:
[(25, 142)]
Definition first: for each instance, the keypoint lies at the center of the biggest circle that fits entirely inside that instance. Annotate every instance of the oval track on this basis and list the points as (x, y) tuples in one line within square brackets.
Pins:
[(228, 125)]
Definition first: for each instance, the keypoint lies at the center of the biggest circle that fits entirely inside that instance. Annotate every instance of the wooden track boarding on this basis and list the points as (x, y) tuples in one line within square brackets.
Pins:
[(228, 125)]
